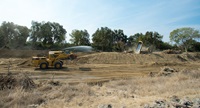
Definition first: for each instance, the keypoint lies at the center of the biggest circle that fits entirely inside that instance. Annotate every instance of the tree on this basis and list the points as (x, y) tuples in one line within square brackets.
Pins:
[(80, 37), (12, 35), (150, 38), (184, 36), (7, 33), (47, 34), (134, 39), (103, 39), (120, 39), (21, 37), (195, 46), (164, 46)]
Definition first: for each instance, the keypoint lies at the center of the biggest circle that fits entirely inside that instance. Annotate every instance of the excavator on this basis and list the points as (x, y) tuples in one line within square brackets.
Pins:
[(54, 59)]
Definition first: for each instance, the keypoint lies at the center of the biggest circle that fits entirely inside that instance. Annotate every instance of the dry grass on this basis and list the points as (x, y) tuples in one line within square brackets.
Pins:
[(18, 98), (119, 93)]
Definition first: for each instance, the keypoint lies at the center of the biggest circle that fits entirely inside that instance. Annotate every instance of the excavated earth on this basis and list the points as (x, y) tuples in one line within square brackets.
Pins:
[(103, 80), (97, 66)]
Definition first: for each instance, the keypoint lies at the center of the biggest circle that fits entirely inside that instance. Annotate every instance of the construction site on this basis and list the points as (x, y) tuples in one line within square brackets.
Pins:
[(101, 80)]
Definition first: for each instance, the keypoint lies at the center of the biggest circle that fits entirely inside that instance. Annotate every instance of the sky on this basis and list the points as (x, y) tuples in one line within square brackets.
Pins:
[(132, 16)]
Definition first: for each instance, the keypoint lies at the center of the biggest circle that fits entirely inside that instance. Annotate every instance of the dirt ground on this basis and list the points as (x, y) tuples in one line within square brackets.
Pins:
[(101, 67)]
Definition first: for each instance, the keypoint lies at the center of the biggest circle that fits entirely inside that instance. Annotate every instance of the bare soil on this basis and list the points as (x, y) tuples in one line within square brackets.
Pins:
[(97, 69), (103, 66)]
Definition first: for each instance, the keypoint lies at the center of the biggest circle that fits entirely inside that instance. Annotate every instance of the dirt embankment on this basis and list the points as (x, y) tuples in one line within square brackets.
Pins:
[(108, 57), (128, 58)]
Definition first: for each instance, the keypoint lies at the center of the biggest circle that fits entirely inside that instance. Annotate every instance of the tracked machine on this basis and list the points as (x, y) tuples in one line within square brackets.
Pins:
[(55, 60)]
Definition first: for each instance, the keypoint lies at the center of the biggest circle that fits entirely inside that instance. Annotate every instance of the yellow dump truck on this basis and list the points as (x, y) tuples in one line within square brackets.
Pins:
[(54, 60)]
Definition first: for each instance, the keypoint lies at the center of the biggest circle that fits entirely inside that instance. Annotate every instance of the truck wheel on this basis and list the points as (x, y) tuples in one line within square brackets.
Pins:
[(43, 66), (58, 65)]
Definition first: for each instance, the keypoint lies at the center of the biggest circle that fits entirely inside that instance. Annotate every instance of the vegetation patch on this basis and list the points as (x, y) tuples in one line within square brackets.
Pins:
[(10, 81)]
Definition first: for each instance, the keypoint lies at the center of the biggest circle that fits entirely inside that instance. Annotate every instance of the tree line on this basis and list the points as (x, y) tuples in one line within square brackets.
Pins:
[(52, 36)]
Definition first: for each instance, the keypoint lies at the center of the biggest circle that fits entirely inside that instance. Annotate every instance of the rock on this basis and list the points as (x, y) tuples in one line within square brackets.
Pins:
[(175, 99), (196, 103), (187, 103), (146, 106), (166, 71), (105, 106), (123, 106), (160, 104), (151, 74), (177, 105), (175, 102), (33, 106)]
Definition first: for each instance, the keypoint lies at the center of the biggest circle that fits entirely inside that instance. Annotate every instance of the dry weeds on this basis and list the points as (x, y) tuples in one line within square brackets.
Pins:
[(129, 93), (10, 81)]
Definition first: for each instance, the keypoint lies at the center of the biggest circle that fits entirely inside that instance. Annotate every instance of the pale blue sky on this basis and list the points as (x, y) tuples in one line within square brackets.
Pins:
[(132, 16)]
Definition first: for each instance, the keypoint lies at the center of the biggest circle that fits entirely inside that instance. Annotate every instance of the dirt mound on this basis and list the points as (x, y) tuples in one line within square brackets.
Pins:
[(106, 58), (21, 80), (128, 58), (166, 71), (172, 52)]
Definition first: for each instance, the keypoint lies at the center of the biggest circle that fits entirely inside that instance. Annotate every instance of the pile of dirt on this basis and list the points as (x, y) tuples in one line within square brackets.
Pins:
[(129, 58), (107, 58), (11, 81), (172, 51), (167, 71)]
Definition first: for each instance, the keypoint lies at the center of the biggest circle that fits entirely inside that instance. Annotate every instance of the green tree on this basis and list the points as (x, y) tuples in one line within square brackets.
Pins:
[(21, 36), (12, 35), (120, 39), (184, 36), (35, 34), (195, 46), (134, 39), (103, 39), (164, 46), (152, 38), (47, 34), (80, 37), (148, 39)]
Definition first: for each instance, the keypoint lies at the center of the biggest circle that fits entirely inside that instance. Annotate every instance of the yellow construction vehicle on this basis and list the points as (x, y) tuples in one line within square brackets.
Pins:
[(54, 59)]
